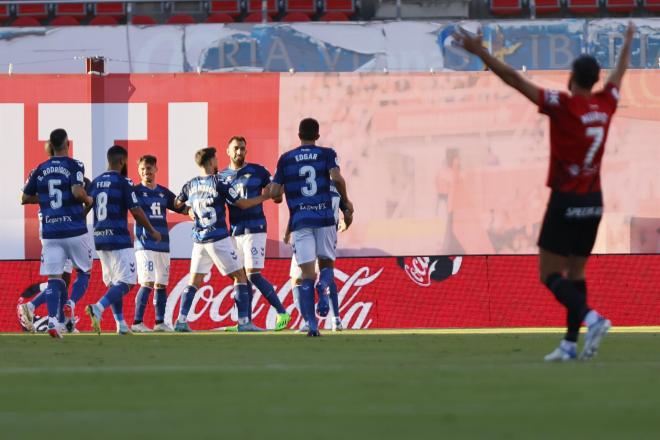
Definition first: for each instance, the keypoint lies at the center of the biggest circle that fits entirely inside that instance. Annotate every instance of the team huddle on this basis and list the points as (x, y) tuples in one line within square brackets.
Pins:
[(308, 176)]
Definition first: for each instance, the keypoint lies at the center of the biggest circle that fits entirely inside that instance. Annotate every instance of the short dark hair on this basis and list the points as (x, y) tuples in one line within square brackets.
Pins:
[(57, 138), (237, 139), (148, 159), (204, 155), (585, 71), (308, 129), (116, 153)]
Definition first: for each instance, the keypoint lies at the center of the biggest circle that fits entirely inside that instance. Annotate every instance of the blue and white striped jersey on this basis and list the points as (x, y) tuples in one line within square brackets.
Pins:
[(113, 196), (305, 174), (207, 195), (61, 215), (155, 203), (248, 183)]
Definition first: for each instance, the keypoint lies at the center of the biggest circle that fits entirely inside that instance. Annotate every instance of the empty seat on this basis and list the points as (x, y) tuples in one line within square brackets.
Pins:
[(347, 6), (296, 16), (104, 20), (77, 10), (547, 6), (334, 16), (26, 21), (305, 6), (255, 6), (230, 7), (219, 18), (583, 6), (116, 10), (181, 19), (505, 7), (142, 20), (620, 5), (64, 20), (4, 11), (36, 10), (255, 17), (652, 5)]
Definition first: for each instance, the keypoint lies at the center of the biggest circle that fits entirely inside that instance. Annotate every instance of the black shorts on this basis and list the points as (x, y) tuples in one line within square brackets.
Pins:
[(571, 223)]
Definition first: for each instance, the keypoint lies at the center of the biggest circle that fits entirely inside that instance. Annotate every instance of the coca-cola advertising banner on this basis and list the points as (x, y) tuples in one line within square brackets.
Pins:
[(436, 164), (406, 292)]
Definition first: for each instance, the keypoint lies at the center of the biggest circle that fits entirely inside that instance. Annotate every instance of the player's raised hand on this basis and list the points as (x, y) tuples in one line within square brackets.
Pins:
[(630, 31), (470, 42)]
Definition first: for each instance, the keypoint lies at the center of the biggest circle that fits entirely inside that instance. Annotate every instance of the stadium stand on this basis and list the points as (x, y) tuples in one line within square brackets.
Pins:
[(583, 6), (64, 20), (255, 6), (25, 22), (295, 16), (544, 7), (229, 7), (334, 16), (38, 11), (103, 20), (181, 19), (255, 17), (652, 5), (506, 7), (307, 7), (620, 5), (143, 20), (219, 18)]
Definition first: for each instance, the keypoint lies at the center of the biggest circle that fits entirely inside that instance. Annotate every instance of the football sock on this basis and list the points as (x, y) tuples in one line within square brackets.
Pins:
[(574, 301), (53, 294), (242, 298), (114, 293), (250, 299), (267, 290), (60, 309), (39, 299), (160, 301), (118, 310), (79, 286), (187, 298), (296, 299), (141, 300), (307, 303), (334, 299)]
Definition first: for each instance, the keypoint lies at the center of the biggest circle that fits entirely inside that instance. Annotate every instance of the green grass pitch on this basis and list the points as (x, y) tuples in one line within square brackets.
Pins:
[(354, 385)]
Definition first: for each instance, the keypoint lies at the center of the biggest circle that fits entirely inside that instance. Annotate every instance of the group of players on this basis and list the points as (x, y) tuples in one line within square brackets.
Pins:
[(308, 176)]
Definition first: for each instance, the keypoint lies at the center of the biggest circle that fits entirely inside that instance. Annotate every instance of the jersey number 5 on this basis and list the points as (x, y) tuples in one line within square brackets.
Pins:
[(55, 193), (310, 187), (597, 134)]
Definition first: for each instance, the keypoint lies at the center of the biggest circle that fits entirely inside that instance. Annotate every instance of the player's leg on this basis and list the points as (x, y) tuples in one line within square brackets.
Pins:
[(80, 256), (295, 275), (253, 248), (327, 285), (226, 259), (304, 248), (146, 266), (200, 265), (53, 259), (160, 295), (64, 314), (326, 245)]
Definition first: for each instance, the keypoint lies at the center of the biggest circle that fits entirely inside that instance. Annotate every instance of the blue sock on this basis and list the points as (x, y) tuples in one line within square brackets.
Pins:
[(334, 299), (296, 299), (160, 301), (53, 293), (250, 300), (79, 286), (39, 299), (186, 302), (267, 291), (118, 309), (60, 309), (307, 303), (242, 298), (141, 300), (114, 294)]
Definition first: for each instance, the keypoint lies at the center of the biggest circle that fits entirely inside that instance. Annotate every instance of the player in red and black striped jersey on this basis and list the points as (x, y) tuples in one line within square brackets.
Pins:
[(579, 123)]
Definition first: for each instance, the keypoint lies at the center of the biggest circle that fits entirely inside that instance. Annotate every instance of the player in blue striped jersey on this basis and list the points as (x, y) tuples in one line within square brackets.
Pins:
[(248, 226), (66, 313), (304, 175), (58, 185), (152, 257), (114, 196), (206, 196)]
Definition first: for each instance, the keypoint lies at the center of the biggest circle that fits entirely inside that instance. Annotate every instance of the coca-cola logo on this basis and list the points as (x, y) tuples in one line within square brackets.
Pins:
[(424, 270), (214, 301)]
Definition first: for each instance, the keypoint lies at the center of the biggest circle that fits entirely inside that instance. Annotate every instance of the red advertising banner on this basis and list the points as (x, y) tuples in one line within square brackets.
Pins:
[(389, 292)]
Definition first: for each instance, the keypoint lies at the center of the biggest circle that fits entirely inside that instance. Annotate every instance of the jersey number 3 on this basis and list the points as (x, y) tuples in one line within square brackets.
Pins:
[(309, 173)]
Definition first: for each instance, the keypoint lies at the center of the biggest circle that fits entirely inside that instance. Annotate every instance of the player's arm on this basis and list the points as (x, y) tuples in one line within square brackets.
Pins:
[(29, 199), (508, 74), (254, 201), (624, 58), (287, 235), (141, 218), (276, 188), (172, 205), (80, 195), (340, 184), (29, 195)]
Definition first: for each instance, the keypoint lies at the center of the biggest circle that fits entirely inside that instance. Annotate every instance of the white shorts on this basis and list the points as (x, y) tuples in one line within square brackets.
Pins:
[(251, 249), (222, 253), (153, 267), (295, 272), (56, 251), (68, 266), (118, 266), (310, 243)]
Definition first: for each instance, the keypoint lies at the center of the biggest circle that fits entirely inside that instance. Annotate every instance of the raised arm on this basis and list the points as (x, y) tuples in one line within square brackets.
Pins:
[(616, 75), (473, 45)]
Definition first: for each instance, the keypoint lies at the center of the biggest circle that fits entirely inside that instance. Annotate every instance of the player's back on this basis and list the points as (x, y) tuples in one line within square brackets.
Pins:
[(61, 214), (206, 195), (248, 181), (578, 131), (113, 196), (305, 174), (155, 203)]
